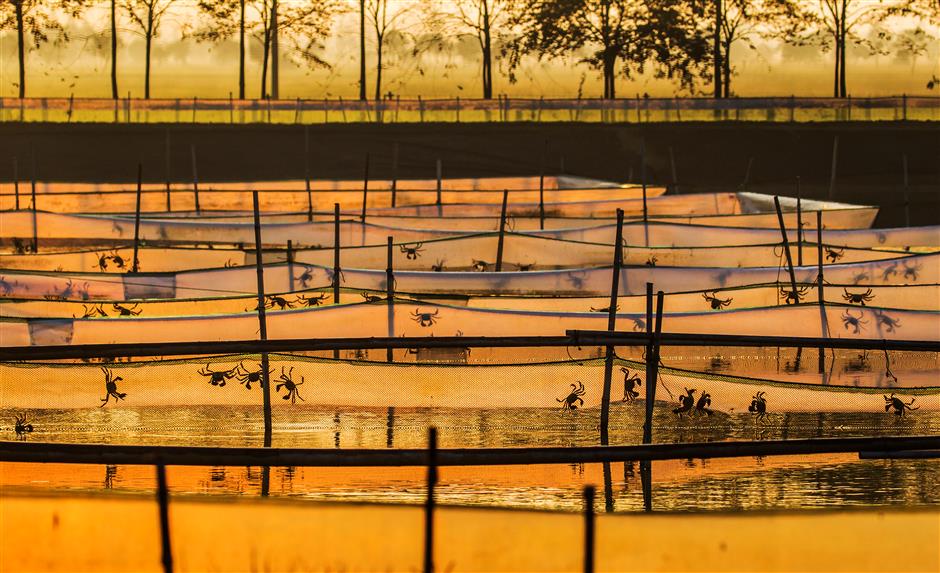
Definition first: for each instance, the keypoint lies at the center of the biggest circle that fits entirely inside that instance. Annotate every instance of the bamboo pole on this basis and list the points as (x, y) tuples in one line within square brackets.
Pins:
[(502, 233), (166, 159), (163, 502), (394, 173), (192, 152), (16, 184), (135, 266), (799, 223), (307, 172), (820, 282), (32, 186), (290, 263), (672, 166), (611, 325), (747, 174), (650, 377), (262, 322), (390, 298), (646, 230), (786, 247), (336, 251), (429, 502), (440, 208)]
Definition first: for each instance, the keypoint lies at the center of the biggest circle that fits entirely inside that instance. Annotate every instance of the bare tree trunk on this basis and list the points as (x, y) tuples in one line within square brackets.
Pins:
[(609, 64), (275, 83), (266, 36), (487, 53), (726, 69), (716, 52), (842, 87), (378, 67), (148, 43), (241, 51), (114, 84), (835, 78), (362, 49), (20, 46)]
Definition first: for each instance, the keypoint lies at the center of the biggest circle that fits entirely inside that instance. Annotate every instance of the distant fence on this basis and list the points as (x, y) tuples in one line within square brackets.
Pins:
[(456, 110)]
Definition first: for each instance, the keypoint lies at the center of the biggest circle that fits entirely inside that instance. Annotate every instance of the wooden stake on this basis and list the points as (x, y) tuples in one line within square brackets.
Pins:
[(611, 325), (16, 184), (337, 273), (32, 186), (440, 208), (589, 494), (542, 186), (390, 427), (799, 223), (163, 502), (192, 152), (166, 159), (820, 281), (290, 263), (307, 172), (835, 163), (390, 298), (429, 502), (502, 232), (262, 322), (365, 187), (786, 245), (907, 191), (394, 173), (135, 266)]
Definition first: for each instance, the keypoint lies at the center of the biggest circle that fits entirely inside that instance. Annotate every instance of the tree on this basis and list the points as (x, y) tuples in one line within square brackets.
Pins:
[(362, 49), (224, 19), (36, 19), (147, 15), (382, 23), (471, 18), (114, 84), (625, 37)]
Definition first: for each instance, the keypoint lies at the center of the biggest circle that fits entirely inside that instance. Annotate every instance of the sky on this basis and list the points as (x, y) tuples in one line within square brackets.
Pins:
[(183, 67)]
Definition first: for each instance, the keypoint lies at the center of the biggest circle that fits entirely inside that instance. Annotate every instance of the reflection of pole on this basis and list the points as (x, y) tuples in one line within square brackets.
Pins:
[(262, 320), (611, 324), (429, 503), (589, 529), (608, 489), (646, 482), (135, 265), (390, 427), (502, 233), (163, 501)]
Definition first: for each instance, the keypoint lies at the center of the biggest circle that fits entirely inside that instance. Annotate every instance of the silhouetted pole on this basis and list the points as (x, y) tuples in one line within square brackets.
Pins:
[(646, 482), (608, 489), (337, 273), (394, 174), (390, 296), (652, 357), (290, 263), (163, 501), (262, 322), (429, 503), (589, 494), (786, 247), (16, 184), (542, 187), (611, 325), (307, 172), (799, 223), (502, 233), (440, 209), (646, 229), (135, 266), (820, 281), (166, 159), (907, 191), (365, 187), (32, 186), (835, 164), (192, 152)]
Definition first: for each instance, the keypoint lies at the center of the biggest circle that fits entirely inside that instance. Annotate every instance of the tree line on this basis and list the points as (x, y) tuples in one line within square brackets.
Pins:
[(691, 42)]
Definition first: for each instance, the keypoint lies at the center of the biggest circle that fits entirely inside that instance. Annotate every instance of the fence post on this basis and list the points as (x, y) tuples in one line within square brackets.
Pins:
[(365, 187), (135, 266), (390, 296), (192, 152), (262, 321), (907, 191), (502, 232), (290, 263), (820, 281), (307, 172), (611, 325), (394, 173), (832, 172), (163, 502), (16, 184), (799, 222), (786, 248), (166, 158), (429, 502), (589, 529), (542, 186)]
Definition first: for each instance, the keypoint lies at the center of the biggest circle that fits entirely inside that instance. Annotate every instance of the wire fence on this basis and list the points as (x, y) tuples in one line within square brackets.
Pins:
[(457, 110)]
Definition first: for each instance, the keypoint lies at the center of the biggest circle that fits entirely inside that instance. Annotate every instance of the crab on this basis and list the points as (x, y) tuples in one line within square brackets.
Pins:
[(371, 297), (833, 255), (110, 386), (525, 267), (103, 261), (715, 302), (287, 382), (639, 325), (704, 401), (898, 405), (758, 406), (651, 262), (793, 296), (126, 311), (19, 247), (605, 309), (312, 300), (438, 266), (305, 277), (217, 377), (860, 278), (425, 318), (577, 279), (573, 400), (480, 266), (280, 302), (856, 323), (412, 253), (686, 403), (911, 272), (630, 381), (248, 377), (889, 271), (21, 426), (93, 311), (857, 298), (886, 321)]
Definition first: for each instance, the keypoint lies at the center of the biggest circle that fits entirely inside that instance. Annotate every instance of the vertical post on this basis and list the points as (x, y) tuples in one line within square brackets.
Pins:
[(135, 265), (786, 245), (429, 503), (799, 223), (650, 359), (394, 173), (337, 272), (502, 232), (390, 296), (163, 501), (194, 110), (542, 186), (192, 152), (589, 529), (646, 229), (166, 159), (32, 186), (307, 172), (263, 323), (611, 324), (231, 109), (290, 263), (390, 427), (907, 193), (833, 170), (820, 281), (68, 114), (16, 184), (672, 166), (439, 185), (646, 482), (365, 187)]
